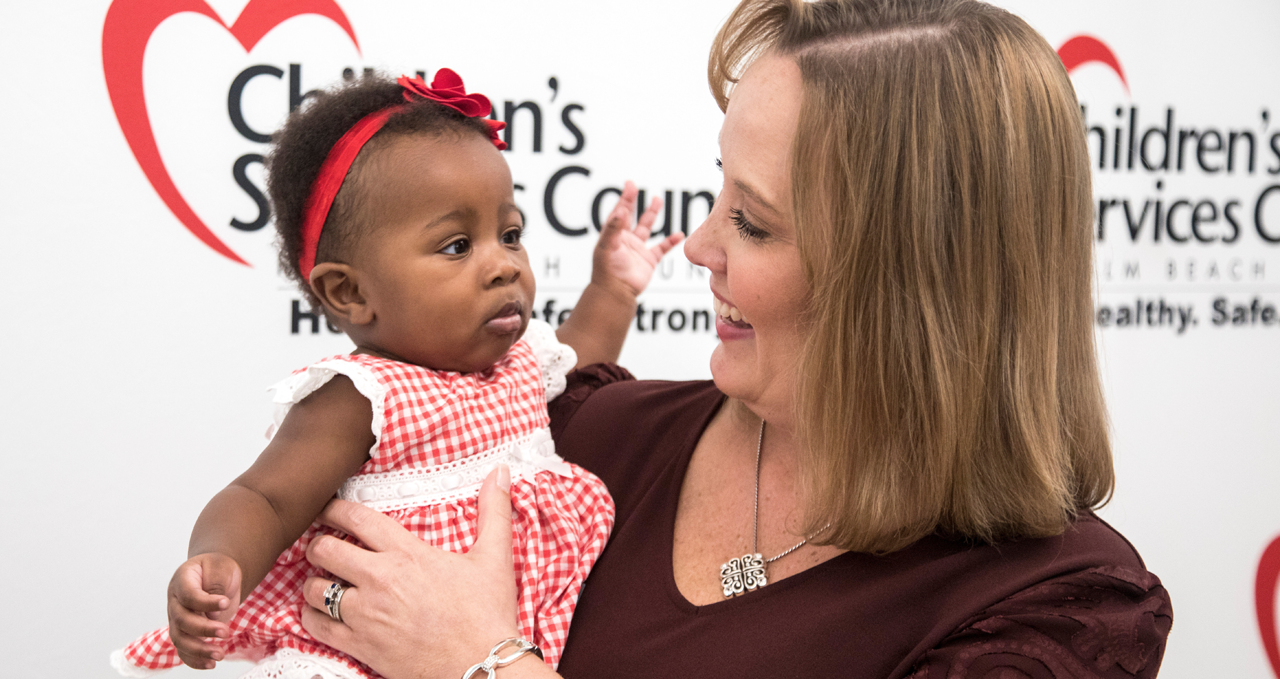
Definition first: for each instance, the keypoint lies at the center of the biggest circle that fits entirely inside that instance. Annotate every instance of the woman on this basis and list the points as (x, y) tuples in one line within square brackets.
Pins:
[(905, 434)]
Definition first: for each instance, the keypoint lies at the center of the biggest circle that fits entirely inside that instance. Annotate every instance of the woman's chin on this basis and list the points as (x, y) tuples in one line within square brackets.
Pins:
[(761, 379), (731, 368)]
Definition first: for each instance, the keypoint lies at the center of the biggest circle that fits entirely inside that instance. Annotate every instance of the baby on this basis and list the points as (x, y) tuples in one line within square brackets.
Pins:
[(396, 214)]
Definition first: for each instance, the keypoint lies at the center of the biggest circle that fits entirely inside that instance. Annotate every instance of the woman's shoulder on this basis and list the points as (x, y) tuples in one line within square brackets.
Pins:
[(1079, 604), (1089, 532), (628, 431), (1087, 540), (606, 389)]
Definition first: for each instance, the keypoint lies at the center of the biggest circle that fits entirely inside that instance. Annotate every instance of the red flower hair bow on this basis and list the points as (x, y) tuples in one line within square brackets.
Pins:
[(446, 88)]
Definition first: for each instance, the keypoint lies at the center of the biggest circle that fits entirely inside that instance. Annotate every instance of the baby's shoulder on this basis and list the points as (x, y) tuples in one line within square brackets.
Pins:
[(540, 352), (389, 373)]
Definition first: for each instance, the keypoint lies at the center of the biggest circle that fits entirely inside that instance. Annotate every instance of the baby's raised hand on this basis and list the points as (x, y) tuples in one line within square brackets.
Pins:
[(203, 596), (621, 268), (622, 255)]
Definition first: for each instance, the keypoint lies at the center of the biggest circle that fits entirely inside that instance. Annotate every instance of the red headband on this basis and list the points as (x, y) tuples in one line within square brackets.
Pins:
[(445, 89)]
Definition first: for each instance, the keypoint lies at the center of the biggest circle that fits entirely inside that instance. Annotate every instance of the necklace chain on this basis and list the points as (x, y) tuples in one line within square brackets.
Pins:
[(749, 572), (755, 528)]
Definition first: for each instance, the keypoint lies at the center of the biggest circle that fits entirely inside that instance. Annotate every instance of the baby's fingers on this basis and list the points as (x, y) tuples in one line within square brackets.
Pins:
[(194, 651), (624, 211), (627, 199), (188, 592), (662, 247), (619, 219), (196, 625), (644, 226)]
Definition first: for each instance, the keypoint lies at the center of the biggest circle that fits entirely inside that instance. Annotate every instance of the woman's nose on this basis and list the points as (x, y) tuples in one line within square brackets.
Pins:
[(703, 247)]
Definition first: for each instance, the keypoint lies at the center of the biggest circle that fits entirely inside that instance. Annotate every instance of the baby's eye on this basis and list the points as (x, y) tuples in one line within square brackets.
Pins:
[(458, 247), (513, 235)]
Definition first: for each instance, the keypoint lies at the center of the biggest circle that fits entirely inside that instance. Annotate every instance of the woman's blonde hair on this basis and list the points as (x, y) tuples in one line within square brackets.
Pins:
[(941, 192)]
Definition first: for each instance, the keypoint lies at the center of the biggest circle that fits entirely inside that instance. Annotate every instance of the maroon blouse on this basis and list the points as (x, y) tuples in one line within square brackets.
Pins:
[(1077, 605)]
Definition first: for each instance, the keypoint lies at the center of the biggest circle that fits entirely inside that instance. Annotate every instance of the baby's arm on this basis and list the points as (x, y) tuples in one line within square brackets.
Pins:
[(621, 268), (323, 440)]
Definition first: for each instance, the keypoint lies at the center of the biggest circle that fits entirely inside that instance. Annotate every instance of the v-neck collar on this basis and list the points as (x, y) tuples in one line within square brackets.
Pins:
[(674, 481)]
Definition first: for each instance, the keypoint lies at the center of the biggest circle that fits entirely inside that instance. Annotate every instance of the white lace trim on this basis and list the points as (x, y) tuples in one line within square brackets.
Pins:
[(555, 359), (298, 386), (458, 480), (290, 664), (128, 669)]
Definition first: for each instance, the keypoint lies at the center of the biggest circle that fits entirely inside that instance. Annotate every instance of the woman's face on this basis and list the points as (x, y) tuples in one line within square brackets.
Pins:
[(749, 243)]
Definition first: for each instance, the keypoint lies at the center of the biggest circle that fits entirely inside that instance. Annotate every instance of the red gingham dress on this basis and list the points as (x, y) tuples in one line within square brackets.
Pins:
[(438, 435)]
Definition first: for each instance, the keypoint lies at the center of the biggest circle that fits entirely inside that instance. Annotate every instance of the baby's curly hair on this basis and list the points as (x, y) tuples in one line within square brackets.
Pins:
[(301, 145)]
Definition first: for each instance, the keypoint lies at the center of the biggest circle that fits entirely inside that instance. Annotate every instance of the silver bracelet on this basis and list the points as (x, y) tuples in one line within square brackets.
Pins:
[(487, 666)]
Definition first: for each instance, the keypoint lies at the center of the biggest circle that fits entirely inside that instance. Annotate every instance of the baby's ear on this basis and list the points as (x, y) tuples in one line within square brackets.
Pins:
[(337, 286)]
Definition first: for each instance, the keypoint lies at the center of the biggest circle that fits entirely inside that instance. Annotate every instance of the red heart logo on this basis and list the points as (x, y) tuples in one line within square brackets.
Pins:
[(1084, 49), (1265, 591), (125, 34)]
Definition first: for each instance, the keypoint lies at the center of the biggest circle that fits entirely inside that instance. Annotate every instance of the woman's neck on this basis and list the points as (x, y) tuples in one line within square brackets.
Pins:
[(779, 446), (728, 506)]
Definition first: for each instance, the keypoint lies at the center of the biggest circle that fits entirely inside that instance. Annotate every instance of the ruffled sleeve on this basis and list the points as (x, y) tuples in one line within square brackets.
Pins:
[(555, 359), (303, 383), (1106, 623), (580, 385)]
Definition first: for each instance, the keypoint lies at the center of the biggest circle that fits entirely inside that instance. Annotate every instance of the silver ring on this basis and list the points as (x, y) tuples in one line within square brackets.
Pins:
[(333, 600)]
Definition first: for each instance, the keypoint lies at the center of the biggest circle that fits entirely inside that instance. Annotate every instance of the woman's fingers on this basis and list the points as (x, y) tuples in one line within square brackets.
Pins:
[(351, 563), (379, 531), (347, 561), (317, 621), (493, 532), (327, 630), (313, 591), (416, 610)]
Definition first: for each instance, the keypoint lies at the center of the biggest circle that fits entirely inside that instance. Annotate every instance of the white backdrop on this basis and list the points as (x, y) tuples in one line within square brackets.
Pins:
[(136, 355)]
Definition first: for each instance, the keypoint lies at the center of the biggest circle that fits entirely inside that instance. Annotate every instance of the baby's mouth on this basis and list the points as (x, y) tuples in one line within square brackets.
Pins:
[(508, 319), (729, 314)]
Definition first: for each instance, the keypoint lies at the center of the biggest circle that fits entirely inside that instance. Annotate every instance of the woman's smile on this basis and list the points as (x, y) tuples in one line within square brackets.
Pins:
[(730, 323), (748, 243)]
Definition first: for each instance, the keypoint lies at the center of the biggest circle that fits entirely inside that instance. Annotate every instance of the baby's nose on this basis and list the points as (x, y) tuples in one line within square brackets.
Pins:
[(505, 269)]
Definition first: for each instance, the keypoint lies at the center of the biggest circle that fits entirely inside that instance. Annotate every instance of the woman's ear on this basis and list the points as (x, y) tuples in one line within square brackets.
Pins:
[(337, 286)]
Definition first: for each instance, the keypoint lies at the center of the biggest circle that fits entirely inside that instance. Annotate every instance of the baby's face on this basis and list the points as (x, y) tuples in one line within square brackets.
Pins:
[(444, 269)]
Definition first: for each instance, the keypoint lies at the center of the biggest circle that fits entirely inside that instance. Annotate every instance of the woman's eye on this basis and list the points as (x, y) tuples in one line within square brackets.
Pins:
[(458, 247), (513, 236), (746, 229), (719, 165)]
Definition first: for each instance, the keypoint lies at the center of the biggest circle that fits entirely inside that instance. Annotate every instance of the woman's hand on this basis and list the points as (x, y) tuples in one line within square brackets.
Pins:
[(412, 610), (623, 256)]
